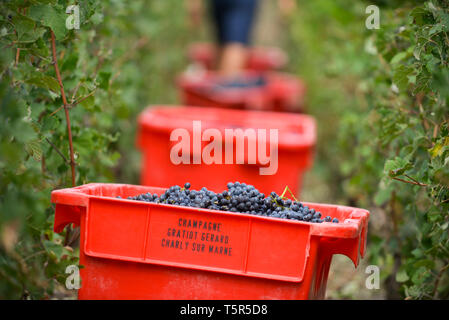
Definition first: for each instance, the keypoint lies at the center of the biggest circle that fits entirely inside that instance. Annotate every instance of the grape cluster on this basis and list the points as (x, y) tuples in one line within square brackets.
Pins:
[(239, 197)]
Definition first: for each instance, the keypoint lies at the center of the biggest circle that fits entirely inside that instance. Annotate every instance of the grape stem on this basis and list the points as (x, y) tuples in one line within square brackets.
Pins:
[(291, 193)]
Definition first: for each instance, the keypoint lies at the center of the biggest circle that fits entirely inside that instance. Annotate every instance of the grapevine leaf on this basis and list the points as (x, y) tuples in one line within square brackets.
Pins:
[(103, 78), (399, 57), (402, 276), (397, 167), (419, 14), (34, 149), (439, 147), (52, 16), (53, 249), (44, 81), (25, 29), (401, 76)]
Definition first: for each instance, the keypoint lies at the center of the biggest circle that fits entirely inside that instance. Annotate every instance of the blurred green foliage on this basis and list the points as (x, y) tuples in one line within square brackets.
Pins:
[(381, 100), (124, 56)]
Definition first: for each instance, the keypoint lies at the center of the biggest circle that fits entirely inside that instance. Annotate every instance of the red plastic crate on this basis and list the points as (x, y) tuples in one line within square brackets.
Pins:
[(297, 135), (128, 248), (259, 58), (282, 92)]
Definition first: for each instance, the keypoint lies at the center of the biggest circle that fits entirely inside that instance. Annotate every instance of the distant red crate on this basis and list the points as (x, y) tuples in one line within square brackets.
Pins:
[(132, 249), (296, 142), (282, 92), (260, 58)]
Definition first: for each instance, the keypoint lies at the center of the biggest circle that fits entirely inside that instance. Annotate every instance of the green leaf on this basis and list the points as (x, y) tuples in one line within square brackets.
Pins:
[(97, 18), (401, 276), (397, 167), (88, 103), (436, 29), (424, 263), (420, 275), (401, 76), (422, 83), (70, 63), (34, 149), (52, 16), (49, 123), (419, 14), (432, 63), (439, 148), (417, 252), (25, 29), (44, 81), (399, 57), (22, 24), (103, 78), (443, 18), (54, 249), (40, 48)]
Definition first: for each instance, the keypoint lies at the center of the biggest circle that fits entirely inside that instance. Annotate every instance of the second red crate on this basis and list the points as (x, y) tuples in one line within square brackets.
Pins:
[(280, 92), (294, 147)]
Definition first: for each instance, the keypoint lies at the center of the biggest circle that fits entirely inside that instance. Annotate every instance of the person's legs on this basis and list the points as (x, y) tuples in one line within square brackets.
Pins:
[(232, 59), (234, 20)]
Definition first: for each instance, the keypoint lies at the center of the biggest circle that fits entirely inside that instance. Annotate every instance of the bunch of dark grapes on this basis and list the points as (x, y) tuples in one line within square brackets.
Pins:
[(239, 197)]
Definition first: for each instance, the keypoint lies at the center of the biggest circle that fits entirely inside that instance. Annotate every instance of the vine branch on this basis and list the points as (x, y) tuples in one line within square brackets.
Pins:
[(437, 281), (57, 150), (65, 105), (417, 183), (71, 105)]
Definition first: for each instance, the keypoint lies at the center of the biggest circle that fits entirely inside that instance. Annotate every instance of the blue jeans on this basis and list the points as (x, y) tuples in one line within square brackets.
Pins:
[(233, 20)]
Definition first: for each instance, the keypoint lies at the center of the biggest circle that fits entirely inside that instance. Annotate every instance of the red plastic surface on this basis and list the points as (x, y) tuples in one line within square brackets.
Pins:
[(259, 59), (140, 250), (297, 135), (282, 92)]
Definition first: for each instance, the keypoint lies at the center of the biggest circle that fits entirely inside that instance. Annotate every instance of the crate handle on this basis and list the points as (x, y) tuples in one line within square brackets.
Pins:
[(350, 236), (70, 204)]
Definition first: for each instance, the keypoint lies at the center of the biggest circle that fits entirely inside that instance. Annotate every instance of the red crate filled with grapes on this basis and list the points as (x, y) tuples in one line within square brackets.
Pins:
[(142, 242)]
